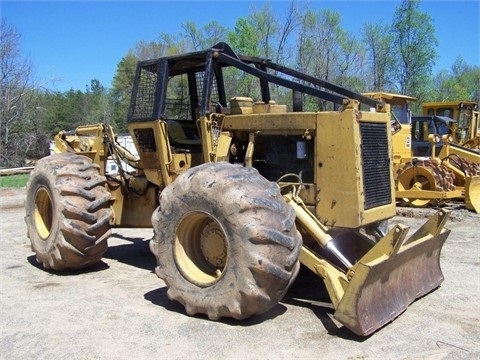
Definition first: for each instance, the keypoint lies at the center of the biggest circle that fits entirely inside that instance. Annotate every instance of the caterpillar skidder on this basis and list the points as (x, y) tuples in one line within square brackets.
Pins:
[(240, 193)]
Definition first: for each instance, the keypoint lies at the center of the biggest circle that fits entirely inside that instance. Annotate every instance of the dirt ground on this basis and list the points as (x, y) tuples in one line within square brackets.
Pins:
[(119, 309)]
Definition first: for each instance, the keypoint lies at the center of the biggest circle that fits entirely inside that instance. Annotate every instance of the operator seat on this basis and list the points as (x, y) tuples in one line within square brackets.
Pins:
[(177, 135)]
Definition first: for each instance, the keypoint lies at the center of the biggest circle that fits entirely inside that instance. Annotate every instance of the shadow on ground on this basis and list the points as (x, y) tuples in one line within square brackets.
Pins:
[(135, 253), (159, 297), (307, 291)]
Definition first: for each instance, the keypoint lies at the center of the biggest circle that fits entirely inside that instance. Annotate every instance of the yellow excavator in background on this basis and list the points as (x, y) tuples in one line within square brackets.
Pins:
[(429, 166)]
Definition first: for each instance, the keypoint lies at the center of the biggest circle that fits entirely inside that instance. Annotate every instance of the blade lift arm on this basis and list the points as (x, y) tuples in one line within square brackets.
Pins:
[(385, 280), (335, 280)]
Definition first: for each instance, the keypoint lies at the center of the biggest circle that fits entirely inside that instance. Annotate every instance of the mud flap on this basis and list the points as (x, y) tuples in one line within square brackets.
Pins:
[(472, 193), (394, 273)]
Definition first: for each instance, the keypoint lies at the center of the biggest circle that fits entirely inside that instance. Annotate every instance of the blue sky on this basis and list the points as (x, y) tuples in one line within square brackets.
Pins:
[(77, 41)]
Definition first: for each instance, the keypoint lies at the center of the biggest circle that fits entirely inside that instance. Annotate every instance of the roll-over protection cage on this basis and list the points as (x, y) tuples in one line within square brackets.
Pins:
[(149, 94)]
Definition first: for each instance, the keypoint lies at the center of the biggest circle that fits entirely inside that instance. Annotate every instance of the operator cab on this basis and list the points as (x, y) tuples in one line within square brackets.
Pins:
[(187, 99)]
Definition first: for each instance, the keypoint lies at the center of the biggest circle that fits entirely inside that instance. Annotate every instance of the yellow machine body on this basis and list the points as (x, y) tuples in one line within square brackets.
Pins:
[(335, 168), (441, 172), (466, 128)]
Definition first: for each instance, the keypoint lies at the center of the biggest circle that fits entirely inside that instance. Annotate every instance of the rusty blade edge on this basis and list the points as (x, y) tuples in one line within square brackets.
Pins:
[(381, 291)]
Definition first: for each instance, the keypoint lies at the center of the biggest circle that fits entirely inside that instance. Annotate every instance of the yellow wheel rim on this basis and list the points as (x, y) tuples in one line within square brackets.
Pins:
[(200, 248), (417, 178), (43, 213)]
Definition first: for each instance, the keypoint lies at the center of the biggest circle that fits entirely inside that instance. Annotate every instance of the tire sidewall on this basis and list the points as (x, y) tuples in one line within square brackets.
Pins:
[(263, 242), (42, 179), (78, 234), (174, 215)]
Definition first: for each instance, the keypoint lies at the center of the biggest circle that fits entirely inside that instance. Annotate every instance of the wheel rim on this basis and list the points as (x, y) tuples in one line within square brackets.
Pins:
[(200, 249), (43, 213), (420, 178)]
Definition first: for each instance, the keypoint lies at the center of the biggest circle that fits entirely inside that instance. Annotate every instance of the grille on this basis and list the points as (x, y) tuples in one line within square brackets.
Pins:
[(376, 165), (145, 95), (146, 140), (199, 76)]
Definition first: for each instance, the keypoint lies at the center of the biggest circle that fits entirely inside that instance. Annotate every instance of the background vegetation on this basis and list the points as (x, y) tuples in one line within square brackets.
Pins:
[(397, 56), (14, 181)]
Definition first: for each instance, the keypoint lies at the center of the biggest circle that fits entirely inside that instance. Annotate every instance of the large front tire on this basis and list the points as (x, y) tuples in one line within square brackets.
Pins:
[(68, 212), (225, 241)]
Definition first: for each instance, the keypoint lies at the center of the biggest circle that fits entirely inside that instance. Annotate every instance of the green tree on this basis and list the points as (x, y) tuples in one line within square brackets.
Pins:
[(274, 31), (20, 134), (415, 48), (100, 103), (468, 80), (65, 111), (305, 44), (171, 44), (244, 38), (377, 40), (205, 37), (265, 25), (214, 33), (328, 52), (461, 82), (244, 41), (122, 90), (324, 48), (286, 28), (350, 63)]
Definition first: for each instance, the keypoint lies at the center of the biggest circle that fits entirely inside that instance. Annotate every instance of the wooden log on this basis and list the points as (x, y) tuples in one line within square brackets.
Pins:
[(16, 171)]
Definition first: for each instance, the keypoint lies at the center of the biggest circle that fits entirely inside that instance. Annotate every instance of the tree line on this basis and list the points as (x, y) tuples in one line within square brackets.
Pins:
[(396, 57)]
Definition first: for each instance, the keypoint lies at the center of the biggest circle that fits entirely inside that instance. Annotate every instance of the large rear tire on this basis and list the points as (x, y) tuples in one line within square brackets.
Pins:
[(225, 241), (68, 212)]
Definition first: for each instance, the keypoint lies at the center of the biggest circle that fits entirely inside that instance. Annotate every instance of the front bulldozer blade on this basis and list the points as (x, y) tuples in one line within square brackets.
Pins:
[(394, 273), (472, 193)]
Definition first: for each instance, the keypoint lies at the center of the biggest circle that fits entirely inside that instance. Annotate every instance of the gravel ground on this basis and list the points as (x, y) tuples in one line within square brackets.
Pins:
[(119, 308)]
